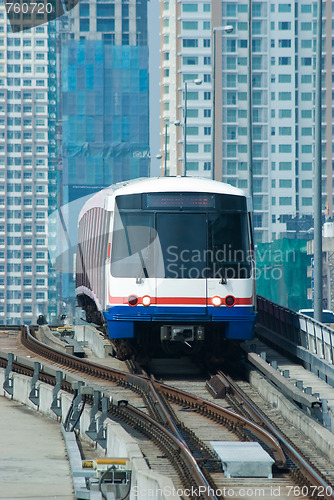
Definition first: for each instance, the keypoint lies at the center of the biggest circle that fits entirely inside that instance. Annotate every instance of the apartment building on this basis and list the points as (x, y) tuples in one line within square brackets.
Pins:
[(28, 88)]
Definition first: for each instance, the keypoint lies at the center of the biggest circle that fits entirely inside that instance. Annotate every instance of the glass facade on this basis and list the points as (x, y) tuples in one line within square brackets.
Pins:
[(104, 107), (105, 115)]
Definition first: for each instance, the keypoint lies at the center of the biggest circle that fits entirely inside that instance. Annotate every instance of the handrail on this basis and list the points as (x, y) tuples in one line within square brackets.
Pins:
[(302, 330)]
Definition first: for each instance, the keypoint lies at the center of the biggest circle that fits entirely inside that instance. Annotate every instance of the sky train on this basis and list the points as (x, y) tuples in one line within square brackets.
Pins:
[(166, 264)]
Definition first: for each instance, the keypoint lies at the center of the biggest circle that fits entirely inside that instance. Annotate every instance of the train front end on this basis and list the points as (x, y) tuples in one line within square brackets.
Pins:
[(181, 277)]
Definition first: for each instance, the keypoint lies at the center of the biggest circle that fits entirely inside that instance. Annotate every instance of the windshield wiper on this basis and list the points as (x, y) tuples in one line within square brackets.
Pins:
[(143, 268)]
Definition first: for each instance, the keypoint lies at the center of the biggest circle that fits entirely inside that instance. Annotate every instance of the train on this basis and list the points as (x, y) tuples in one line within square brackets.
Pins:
[(166, 266)]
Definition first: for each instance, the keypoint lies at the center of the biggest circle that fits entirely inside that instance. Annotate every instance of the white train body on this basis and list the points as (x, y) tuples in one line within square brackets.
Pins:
[(167, 261)]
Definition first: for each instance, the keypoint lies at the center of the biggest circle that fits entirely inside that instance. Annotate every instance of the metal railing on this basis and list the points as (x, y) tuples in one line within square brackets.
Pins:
[(302, 330)]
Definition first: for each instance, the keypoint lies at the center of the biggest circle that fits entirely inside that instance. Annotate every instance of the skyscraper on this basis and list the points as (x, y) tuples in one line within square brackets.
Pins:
[(27, 170), (104, 73), (186, 66)]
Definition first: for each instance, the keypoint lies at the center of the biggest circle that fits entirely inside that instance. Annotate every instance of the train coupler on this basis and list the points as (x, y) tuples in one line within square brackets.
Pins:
[(182, 333)]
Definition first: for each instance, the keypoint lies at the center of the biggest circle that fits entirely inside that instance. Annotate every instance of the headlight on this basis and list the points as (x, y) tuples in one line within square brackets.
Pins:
[(146, 300), (217, 301)]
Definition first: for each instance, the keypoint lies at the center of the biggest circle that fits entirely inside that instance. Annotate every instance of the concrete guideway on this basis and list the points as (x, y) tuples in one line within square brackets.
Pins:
[(33, 461)]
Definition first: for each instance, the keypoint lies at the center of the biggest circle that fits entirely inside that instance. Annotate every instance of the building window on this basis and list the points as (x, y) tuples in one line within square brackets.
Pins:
[(284, 7), (230, 45), (285, 183), (284, 113), (284, 78), (190, 61), (190, 25), (192, 130), (306, 61), (190, 42), (284, 61), (284, 43), (284, 25), (189, 7), (285, 148), (285, 200), (192, 165), (284, 96), (306, 26), (306, 96), (306, 44), (285, 165)]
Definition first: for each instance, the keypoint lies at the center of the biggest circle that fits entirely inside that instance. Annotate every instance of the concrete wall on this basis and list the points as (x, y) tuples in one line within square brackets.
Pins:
[(119, 443), (45, 335), (321, 437), (100, 346)]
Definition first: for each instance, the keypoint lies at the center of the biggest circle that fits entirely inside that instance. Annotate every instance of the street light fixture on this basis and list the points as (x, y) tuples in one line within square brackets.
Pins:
[(225, 29), (196, 82)]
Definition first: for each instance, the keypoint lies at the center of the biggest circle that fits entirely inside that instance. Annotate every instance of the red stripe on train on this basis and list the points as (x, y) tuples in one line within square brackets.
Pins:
[(202, 301)]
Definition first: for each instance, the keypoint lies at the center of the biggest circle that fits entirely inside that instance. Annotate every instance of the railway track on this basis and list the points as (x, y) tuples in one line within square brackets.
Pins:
[(166, 419)]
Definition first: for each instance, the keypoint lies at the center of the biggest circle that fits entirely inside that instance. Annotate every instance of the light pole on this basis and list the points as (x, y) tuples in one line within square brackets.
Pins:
[(159, 156), (197, 82), (318, 176), (165, 154), (225, 29)]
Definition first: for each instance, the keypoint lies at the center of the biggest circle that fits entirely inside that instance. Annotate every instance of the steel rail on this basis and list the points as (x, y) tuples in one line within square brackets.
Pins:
[(112, 374), (205, 406), (203, 486), (308, 471), (201, 482), (69, 360), (209, 407)]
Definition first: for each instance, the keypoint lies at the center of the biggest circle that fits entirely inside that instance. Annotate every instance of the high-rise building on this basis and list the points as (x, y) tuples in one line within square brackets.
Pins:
[(186, 69), (283, 55), (104, 101), (105, 111), (27, 170)]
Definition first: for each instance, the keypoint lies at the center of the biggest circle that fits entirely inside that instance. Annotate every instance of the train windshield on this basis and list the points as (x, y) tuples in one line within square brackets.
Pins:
[(180, 245)]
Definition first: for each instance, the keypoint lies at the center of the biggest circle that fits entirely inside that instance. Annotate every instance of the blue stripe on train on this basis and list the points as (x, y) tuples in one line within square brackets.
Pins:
[(121, 318)]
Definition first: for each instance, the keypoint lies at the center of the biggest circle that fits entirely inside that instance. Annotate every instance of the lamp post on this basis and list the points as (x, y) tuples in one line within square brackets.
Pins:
[(159, 156), (225, 29), (197, 82), (318, 176)]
